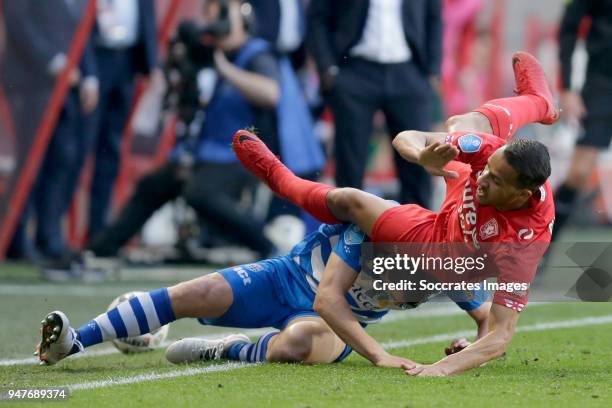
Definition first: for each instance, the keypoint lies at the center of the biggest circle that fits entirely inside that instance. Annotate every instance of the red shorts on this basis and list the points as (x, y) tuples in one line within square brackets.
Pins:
[(405, 223)]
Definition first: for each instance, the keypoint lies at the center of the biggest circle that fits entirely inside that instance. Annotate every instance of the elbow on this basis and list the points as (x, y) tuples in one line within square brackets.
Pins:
[(272, 97), (401, 136), (319, 304), (322, 303)]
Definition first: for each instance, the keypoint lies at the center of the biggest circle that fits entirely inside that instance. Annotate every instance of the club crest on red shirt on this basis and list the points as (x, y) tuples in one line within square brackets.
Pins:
[(489, 229)]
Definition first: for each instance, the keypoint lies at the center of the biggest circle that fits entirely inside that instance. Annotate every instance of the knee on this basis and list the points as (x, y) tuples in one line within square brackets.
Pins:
[(295, 345), (453, 122), (456, 123), (468, 122)]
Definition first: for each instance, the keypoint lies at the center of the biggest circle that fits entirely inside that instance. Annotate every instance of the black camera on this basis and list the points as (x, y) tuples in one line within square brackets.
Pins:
[(199, 39), (190, 51)]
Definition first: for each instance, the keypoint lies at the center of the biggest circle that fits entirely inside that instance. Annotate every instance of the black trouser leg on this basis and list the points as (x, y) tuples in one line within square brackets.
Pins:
[(564, 204), (213, 191), (409, 109), (152, 192), (353, 107)]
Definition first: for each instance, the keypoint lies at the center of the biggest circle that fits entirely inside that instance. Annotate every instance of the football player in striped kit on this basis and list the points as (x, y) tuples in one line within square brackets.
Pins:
[(291, 293)]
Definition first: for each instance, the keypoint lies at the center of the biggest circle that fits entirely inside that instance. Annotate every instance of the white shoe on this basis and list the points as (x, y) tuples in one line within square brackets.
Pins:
[(192, 350), (58, 339)]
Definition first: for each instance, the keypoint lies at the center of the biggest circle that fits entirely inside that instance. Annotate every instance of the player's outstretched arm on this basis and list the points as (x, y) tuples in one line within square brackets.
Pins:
[(502, 324), (331, 304), (427, 149), (480, 315)]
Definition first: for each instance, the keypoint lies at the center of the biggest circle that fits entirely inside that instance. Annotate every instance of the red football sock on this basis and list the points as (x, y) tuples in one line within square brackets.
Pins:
[(507, 115), (308, 195)]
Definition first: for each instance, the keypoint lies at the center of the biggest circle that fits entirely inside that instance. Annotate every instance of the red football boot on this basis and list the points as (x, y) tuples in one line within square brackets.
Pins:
[(530, 80), (255, 155)]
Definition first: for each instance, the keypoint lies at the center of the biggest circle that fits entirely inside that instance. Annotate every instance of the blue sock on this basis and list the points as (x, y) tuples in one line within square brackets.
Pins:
[(251, 352), (139, 315)]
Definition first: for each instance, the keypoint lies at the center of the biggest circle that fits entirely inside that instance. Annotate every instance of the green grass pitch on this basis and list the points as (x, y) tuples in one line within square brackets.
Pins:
[(568, 363)]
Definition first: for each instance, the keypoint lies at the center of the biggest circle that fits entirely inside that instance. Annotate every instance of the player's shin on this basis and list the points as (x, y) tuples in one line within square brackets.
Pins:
[(308, 195), (139, 315), (507, 115)]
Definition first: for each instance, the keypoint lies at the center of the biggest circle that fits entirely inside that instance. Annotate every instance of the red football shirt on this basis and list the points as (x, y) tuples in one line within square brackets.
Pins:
[(462, 219)]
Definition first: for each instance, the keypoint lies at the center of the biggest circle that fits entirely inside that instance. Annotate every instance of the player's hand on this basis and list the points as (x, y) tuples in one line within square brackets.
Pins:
[(391, 361), (572, 106), (437, 155), (456, 346), (425, 370)]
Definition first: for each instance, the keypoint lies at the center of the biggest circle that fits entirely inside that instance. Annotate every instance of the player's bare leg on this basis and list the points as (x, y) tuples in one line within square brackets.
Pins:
[(306, 340), (469, 122), (208, 296), (357, 207)]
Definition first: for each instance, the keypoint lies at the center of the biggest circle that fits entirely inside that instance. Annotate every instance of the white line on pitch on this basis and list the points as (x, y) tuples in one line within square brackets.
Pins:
[(158, 376), (563, 324), (588, 321), (67, 290)]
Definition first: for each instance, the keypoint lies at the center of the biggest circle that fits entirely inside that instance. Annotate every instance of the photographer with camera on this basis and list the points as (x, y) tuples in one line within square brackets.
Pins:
[(203, 168)]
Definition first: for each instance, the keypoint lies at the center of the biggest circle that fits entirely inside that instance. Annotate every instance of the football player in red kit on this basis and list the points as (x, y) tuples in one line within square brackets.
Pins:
[(497, 192)]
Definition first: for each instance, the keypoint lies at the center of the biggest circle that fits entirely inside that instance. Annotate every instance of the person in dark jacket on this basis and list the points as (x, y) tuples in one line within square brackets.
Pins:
[(377, 55), (125, 45), (39, 36), (592, 107)]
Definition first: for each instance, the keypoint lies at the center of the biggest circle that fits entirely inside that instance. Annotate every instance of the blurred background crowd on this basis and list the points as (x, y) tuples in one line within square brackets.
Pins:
[(116, 116)]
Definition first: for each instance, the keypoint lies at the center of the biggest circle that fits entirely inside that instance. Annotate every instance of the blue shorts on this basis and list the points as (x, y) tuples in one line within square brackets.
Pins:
[(266, 294)]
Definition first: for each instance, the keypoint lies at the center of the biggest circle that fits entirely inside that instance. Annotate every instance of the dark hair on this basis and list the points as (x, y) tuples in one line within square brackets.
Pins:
[(531, 161)]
